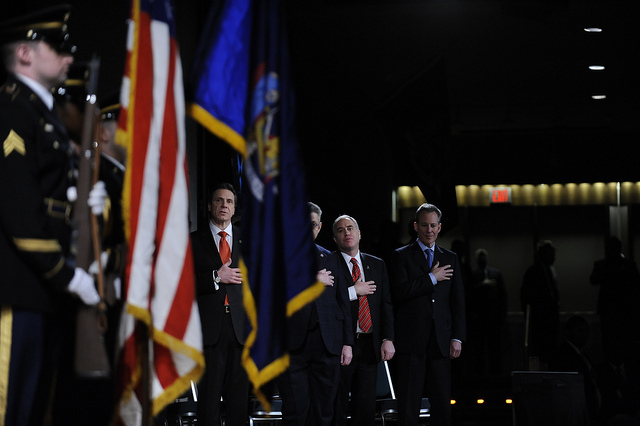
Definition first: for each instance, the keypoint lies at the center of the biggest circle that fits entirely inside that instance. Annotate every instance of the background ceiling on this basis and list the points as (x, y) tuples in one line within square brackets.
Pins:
[(513, 76), (509, 64), (477, 91)]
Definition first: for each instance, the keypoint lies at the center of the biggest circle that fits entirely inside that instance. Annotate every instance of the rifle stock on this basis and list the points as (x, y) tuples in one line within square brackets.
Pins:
[(91, 358)]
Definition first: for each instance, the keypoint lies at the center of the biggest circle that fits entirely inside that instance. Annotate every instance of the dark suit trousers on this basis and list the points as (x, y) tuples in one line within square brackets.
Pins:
[(360, 378), (414, 372), (224, 376), (308, 387)]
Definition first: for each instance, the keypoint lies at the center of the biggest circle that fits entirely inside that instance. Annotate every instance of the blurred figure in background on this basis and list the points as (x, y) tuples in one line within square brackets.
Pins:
[(488, 313), (539, 297), (618, 300)]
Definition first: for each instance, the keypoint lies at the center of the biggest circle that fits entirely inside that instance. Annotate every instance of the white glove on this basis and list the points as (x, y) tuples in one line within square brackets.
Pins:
[(72, 194), (117, 285), (82, 285), (104, 259), (97, 197)]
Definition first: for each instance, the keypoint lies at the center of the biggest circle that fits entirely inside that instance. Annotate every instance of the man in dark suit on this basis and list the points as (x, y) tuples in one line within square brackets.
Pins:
[(487, 314), (319, 341), (539, 296), (428, 297), (35, 233), (216, 254), (618, 300), (372, 316)]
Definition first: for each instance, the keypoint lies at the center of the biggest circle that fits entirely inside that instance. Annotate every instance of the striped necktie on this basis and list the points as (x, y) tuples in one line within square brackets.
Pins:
[(364, 314)]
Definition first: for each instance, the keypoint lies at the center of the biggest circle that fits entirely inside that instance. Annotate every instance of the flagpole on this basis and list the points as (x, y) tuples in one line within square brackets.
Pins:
[(147, 412)]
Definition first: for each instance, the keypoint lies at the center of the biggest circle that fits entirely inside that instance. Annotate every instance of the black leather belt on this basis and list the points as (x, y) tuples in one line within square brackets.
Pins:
[(58, 209)]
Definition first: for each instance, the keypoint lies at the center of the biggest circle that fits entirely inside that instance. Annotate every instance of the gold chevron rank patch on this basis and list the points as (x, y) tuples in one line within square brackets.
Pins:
[(13, 142)]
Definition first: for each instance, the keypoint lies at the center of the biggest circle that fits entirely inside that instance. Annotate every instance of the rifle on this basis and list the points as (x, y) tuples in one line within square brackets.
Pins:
[(91, 358)]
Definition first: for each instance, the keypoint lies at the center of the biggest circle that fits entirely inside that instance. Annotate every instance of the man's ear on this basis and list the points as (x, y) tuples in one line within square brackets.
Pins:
[(24, 53)]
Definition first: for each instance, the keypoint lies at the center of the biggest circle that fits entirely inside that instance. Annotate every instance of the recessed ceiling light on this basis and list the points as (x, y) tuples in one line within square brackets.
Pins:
[(593, 30), (596, 67), (597, 97)]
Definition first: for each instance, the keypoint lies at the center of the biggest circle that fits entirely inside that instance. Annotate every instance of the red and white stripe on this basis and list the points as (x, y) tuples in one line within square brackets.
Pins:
[(160, 289)]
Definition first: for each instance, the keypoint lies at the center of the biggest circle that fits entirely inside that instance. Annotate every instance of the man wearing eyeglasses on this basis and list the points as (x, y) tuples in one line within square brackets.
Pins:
[(319, 341)]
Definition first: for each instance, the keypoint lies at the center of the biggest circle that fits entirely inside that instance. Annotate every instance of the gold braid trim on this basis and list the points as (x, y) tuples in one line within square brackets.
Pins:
[(55, 270), (33, 244), (6, 327)]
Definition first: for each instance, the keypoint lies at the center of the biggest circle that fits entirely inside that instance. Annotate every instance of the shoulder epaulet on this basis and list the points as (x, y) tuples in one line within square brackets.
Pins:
[(10, 89)]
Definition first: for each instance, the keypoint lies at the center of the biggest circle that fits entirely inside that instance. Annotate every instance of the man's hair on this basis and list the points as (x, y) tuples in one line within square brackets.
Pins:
[(430, 208), (344, 216), (8, 52), (224, 185), (482, 251), (544, 245), (314, 208)]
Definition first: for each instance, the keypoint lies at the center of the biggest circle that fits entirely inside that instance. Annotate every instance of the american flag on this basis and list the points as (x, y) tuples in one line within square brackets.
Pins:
[(160, 325)]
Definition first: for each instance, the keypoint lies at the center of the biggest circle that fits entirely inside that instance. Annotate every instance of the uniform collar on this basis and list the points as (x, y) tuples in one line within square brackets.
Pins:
[(38, 89)]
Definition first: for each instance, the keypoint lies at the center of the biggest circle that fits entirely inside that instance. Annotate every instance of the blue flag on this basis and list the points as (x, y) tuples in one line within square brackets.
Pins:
[(218, 96), (254, 112)]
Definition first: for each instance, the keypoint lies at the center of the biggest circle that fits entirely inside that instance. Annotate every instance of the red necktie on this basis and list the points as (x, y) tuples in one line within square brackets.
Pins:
[(364, 315), (224, 249), (225, 254)]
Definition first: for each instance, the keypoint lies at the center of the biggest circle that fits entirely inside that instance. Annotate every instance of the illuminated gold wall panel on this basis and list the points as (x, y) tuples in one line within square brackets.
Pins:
[(598, 193)]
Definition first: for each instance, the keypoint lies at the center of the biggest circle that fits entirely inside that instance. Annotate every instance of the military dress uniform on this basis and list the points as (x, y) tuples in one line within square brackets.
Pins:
[(35, 234), (35, 231)]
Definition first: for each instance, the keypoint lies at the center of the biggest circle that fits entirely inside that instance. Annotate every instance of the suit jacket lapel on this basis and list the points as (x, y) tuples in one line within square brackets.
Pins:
[(437, 254), (366, 270), (235, 251), (345, 269), (419, 257), (211, 244)]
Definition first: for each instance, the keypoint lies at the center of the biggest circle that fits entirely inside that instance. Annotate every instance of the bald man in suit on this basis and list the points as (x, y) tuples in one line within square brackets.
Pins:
[(372, 316)]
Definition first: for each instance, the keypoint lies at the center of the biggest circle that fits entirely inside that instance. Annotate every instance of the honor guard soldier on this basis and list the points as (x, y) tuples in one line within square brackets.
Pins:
[(91, 396), (35, 233), (112, 160), (71, 99)]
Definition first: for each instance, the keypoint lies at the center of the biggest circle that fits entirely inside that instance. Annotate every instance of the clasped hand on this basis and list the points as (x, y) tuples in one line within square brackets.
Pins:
[(365, 287), (441, 273), (325, 277), (229, 275)]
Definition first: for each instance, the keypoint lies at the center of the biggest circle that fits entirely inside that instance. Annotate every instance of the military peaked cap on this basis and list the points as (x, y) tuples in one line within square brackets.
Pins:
[(110, 107), (75, 88), (49, 25)]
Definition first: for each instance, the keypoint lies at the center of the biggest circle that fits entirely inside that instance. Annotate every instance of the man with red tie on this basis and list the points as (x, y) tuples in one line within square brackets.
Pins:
[(216, 254), (372, 315)]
